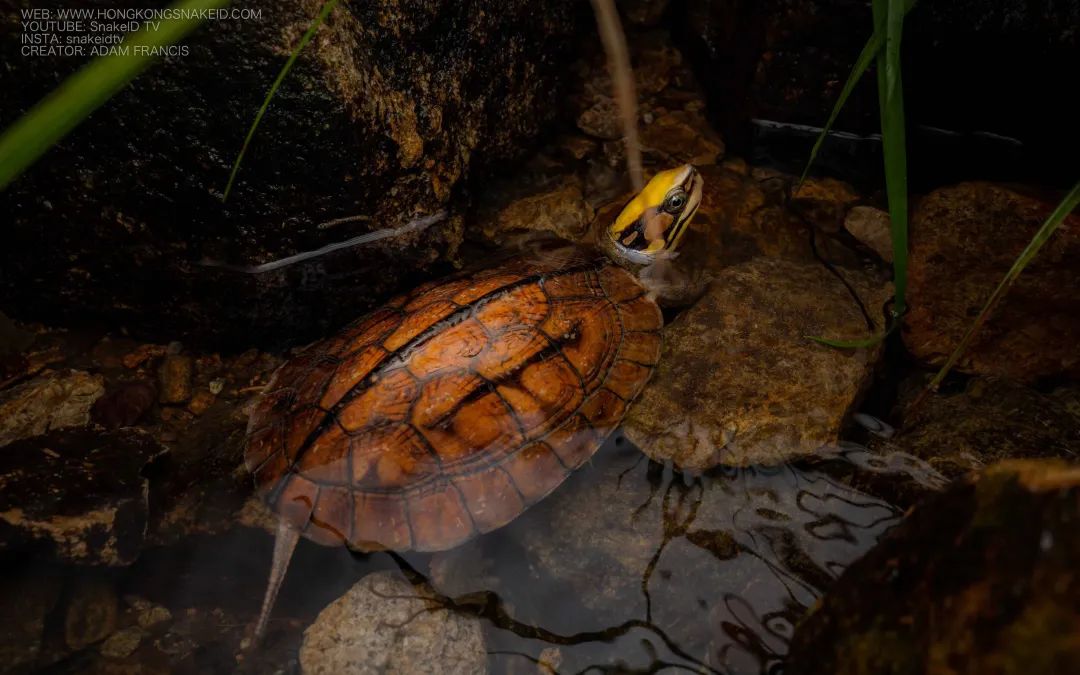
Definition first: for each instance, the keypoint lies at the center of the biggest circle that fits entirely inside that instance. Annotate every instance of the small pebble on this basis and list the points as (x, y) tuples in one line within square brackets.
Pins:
[(175, 378), (153, 616), (201, 402)]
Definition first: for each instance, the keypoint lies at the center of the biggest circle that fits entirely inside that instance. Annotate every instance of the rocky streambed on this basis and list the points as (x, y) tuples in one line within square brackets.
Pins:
[(770, 502)]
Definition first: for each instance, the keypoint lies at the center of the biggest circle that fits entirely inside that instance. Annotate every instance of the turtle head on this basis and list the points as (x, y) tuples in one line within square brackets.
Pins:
[(652, 223)]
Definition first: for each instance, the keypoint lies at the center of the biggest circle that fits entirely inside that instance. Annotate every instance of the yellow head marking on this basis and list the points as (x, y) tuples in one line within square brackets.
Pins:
[(655, 219)]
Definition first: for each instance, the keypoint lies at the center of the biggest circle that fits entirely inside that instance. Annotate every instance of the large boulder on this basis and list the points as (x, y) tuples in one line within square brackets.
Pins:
[(963, 241), (385, 115), (739, 380), (981, 579)]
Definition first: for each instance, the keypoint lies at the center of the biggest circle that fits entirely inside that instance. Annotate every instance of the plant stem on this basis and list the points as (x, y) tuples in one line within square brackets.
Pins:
[(324, 12)]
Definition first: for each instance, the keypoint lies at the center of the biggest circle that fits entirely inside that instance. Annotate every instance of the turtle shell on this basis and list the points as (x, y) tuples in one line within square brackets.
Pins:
[(450, 410)]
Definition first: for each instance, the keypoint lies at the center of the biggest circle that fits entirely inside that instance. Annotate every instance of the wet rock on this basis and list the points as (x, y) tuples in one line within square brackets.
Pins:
[(79, 494), (576, 146), (601, 119), (655, 62), (122, 643), (201, 402), (560, 210), (91, 612), (824, 202), (174, 378), (384, 624), (872, 227), (981, 579), (386, 115), (681, 137), (740, 383), (142, 354), (549, 661), (124, 404), (27, 599), (147, 614), (963, 241), (747, 213), (988, 421), (52, 401)]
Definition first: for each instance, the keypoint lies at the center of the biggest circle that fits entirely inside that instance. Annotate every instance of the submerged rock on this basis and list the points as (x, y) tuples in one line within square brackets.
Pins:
[(963, 241), (52, 401), (740, 383), (386, 625), (386, 114), (990, 420), (79, 494), (981, 579)]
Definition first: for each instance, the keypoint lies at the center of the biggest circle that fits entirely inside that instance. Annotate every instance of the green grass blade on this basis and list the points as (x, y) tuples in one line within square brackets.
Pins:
[(889, 14), (888, 24), (1053, 222), (324, 12), (77, 97), (866, 57)]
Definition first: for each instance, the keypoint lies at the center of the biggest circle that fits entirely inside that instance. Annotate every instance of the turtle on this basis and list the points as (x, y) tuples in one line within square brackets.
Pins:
[(448, 411)]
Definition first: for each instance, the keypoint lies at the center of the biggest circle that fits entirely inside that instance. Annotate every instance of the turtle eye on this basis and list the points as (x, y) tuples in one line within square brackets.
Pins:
[(675, 201)]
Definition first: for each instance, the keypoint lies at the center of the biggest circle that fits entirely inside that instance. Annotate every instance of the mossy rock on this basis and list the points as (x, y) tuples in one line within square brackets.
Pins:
[(984, 578)]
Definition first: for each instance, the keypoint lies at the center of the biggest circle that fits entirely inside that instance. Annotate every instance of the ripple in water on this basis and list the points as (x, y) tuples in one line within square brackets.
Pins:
[(633, 568)]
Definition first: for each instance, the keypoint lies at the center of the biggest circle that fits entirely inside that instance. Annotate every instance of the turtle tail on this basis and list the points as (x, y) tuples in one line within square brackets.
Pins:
[(284, 545)]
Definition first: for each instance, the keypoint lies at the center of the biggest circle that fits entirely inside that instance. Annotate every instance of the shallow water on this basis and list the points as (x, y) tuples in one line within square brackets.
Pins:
[(634, 568), (627, 567)]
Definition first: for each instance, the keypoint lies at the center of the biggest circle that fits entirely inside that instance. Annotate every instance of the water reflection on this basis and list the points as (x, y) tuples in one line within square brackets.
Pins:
[(633, 568)]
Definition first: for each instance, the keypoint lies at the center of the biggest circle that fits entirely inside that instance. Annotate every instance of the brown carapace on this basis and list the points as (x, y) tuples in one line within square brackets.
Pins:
[(450, 410)]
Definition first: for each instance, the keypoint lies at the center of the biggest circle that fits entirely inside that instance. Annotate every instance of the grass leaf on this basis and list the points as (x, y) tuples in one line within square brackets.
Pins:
[(31, 136), (889, 17), (324, 12), (1052, 223), (888, 29)]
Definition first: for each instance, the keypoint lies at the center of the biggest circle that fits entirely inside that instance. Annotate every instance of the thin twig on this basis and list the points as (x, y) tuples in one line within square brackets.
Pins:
[(622, 78)]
